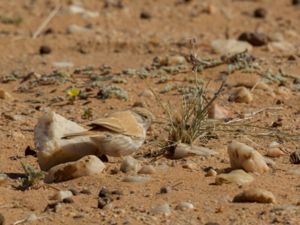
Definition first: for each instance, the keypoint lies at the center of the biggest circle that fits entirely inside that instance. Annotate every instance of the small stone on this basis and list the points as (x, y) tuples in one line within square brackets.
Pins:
[(218, 112), (147, 94), (74, 28), (295, 2), (136, 179), (282, 46), (239, 177), (104, 193), (130, 164), (103, 203), (254, 38), (184, 206), (245, 157), (61, 195), (241, 95), (145, 15), (230, 46), (161, 209), (87, 166), (165, 190), (5, 95), (255, 195), (275, 152), (148, 169), (211, 173), (45, 50), (183, 150), (260, 13), (3, 178), (295, 157), (175, 60)]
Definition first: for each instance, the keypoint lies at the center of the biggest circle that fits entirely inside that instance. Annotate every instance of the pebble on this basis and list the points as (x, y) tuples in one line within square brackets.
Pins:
[(184, 150), (45, 50), (184, 206), (260, 13), (239, 177), (241, 95), (255, 195), (245, 157), (218, 112), (3, 178), (165, 190), (5, 95), (162, 209), (175, 60), (86, 166), (145, 15), (211, 173), (136, 179), (230, 46), (61, 195), (148, 169), (147, 94), (74, 28), (275, 152), (130, 164), (295, 157), (254, 38)]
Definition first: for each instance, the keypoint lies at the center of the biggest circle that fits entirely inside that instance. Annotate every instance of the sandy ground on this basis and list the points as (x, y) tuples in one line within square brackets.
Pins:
[(119, 37)]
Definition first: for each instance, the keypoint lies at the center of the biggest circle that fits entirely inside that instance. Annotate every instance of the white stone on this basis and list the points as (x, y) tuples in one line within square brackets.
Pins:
[(184, 150), (245, 157), (239, 177), (184, 206), (162, 209), (130, 164), (148, 169), (52, 149), (86, 166), (230, 46), (61, 195)]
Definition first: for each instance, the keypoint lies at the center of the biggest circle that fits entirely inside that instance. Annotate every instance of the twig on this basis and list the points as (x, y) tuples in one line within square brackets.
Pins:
[(46, 22)]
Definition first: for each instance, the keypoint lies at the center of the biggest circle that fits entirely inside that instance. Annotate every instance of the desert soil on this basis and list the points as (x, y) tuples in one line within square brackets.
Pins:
[(116, 49)]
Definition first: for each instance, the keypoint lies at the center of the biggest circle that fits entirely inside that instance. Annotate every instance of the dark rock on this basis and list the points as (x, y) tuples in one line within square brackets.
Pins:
[(145, 15), (295, 157), (68, 200), (295, 2), (254, 38), (165, 190), (44, 50), (260, 13), (30, 151)]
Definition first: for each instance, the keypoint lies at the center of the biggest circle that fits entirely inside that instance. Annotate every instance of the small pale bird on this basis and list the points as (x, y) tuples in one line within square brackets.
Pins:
[(120, 133)]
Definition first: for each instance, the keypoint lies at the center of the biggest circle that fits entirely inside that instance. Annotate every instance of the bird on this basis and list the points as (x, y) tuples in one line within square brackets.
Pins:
[(120, 133)]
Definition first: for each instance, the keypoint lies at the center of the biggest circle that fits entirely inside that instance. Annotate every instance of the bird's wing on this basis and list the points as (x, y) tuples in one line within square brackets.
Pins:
[(122, 122), (88, 133)]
